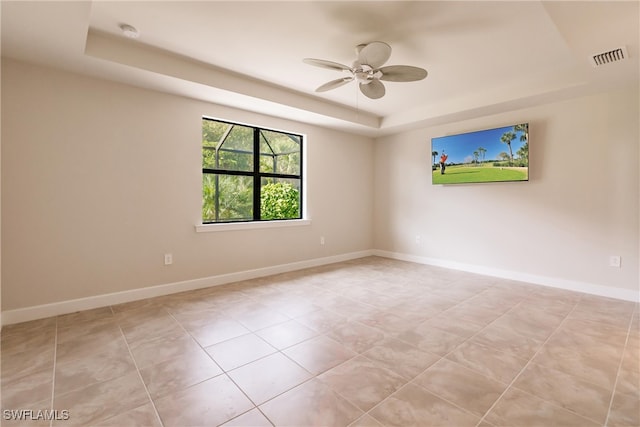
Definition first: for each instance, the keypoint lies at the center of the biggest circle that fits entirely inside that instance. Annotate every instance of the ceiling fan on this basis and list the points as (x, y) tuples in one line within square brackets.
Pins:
[(368, 71)]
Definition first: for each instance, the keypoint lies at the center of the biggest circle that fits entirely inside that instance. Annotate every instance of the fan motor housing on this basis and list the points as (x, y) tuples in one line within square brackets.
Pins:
[(364, 73)]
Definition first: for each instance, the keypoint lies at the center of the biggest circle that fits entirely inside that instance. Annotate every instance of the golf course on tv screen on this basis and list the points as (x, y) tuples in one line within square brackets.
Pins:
[(491, 155)]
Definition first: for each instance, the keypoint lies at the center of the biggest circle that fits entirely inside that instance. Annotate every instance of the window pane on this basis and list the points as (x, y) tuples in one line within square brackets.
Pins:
[(279, 153), (213, 132), (227, 198), (208, 157), (230, 178), (267, 156), (236, 151), (208, 197), (280, 198)]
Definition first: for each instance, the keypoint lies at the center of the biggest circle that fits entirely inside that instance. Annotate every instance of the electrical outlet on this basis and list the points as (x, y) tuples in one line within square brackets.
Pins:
[(322, 240), (168, 259), (418, 239), (615, 261)]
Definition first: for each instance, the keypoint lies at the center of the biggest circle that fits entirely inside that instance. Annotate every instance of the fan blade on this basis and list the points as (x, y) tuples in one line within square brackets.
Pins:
[(374, 89), (402, 73), (374, 54), (334, 84), (326, 64)]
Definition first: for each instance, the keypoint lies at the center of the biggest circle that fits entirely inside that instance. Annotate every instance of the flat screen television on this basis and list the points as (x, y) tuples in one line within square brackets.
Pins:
[(490, 155)]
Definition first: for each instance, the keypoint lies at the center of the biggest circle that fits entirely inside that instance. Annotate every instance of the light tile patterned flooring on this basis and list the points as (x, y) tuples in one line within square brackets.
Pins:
[(367, 342)]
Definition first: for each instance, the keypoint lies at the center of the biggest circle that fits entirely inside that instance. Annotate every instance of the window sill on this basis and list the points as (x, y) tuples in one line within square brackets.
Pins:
[(229, 226)]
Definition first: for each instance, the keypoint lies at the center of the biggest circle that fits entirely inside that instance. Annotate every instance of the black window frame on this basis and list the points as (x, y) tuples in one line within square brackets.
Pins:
[(256, 174)]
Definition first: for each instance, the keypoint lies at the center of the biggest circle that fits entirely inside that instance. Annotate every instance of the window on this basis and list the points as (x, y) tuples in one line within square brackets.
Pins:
[(249, 173)]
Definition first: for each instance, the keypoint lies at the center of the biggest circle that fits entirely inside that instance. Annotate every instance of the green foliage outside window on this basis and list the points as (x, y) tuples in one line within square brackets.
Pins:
[(229, 179), (279, 200)]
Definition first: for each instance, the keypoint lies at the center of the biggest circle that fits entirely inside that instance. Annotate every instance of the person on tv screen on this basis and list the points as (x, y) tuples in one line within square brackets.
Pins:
[(443, 159)]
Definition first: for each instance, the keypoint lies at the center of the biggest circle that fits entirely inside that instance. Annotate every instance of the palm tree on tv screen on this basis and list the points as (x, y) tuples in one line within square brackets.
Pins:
[(507, 138), (523, 153), (482, 151), (524, 128)]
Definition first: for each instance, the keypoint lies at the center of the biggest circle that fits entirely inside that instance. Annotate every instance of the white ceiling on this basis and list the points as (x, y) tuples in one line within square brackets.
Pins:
[(482, 57)]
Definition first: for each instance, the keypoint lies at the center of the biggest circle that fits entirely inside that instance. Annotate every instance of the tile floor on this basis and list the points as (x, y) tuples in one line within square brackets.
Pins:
[(368, 342)]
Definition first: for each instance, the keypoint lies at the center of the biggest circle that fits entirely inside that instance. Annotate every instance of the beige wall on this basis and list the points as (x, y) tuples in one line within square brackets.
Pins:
[(579, 207), (99, 180)]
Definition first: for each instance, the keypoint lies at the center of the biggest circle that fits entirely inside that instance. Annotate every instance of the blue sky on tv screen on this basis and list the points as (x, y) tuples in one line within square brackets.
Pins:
[(460, 147)]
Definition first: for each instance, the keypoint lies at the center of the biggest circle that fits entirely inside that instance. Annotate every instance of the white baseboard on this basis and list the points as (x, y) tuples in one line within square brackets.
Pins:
[(571, 285), (71, 306)]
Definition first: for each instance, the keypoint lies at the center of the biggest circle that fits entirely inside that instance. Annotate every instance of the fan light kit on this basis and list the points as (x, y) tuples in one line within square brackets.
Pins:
[(368, 70)]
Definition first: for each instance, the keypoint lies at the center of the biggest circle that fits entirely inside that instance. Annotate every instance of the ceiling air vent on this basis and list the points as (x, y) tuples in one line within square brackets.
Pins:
[(609, 57)]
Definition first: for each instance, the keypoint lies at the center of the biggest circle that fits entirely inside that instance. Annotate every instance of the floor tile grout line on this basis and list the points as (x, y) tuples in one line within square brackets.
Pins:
[(146, 389), (465, 340), (440, 358), (527, 365), (198, 342), (520, 334), (615, 383), (384, 400), (246, 412), (344, 397), (528, 362), (312, 377), (256, 405), (250, 332), (467, 299), (316, 376), (558, 406), (585, 379), (582, 378), (225, 372), (412, 382), (519, 303), (407, 382), (598, 322), (281, 351), (575, 304)]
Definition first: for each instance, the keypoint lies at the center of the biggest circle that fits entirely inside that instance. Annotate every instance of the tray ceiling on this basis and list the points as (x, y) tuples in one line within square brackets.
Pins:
[(482, 57)]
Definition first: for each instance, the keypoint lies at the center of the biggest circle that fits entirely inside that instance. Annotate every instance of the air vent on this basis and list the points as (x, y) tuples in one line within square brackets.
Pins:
[(609, 57)]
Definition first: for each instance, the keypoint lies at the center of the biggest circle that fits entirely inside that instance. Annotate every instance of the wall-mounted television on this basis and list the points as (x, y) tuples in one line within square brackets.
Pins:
[(489, 155)]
